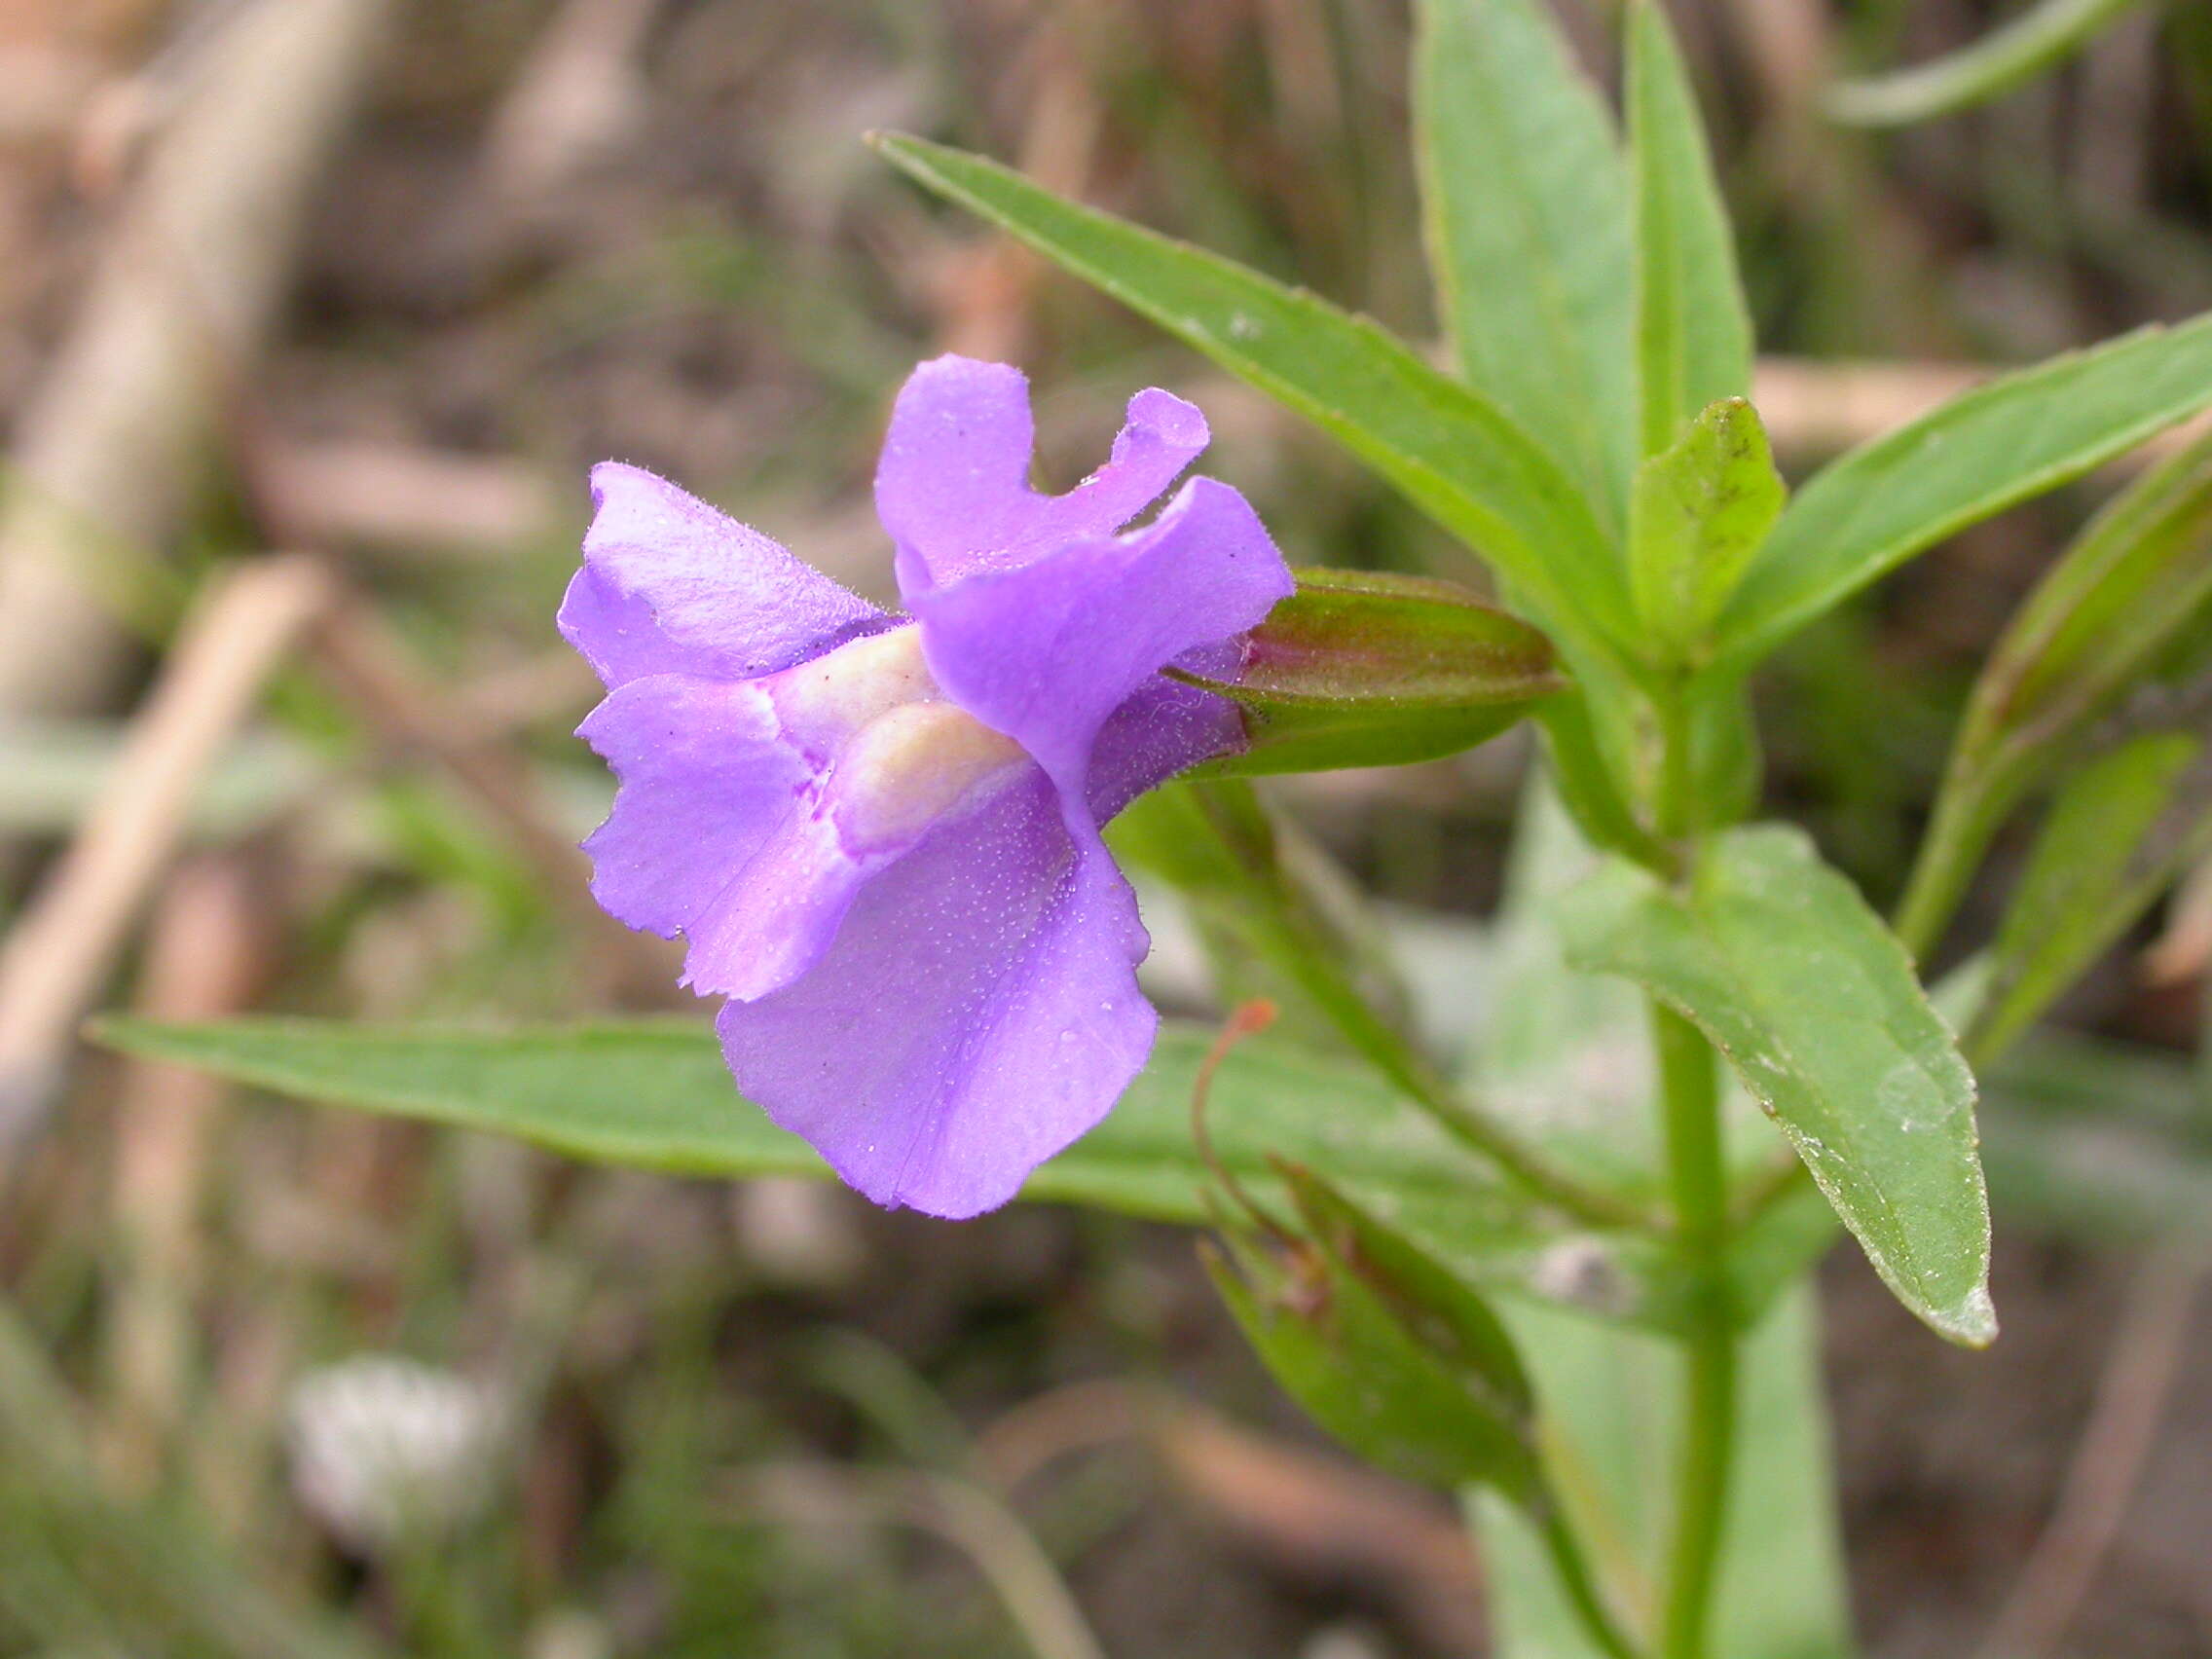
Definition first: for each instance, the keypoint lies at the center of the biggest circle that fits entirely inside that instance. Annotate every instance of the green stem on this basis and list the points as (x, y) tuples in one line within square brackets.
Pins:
[(1395, 1055), (1581, 1586), (1950, 854), (1965, 821), (1474, 1127), (1676, 805), (1697, 1178)]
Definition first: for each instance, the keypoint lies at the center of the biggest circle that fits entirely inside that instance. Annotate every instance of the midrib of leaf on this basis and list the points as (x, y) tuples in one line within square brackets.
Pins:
[(1693, 336)]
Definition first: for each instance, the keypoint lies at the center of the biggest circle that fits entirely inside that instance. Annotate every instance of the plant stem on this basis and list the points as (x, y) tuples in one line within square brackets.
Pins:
[(1521, 1163), (1391, 1053), (1576, 1579), (1948, 855), (1677, 804), (1697, 1178)]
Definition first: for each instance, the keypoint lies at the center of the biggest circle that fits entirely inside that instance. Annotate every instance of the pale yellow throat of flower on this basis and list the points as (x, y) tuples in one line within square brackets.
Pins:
[(899, 754)]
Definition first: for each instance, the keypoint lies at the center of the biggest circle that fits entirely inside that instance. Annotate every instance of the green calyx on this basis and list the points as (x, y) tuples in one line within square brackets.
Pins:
[(1361, 668)]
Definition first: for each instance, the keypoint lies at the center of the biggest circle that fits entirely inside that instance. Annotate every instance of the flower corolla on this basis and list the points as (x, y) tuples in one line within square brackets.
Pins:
[(878, 835)]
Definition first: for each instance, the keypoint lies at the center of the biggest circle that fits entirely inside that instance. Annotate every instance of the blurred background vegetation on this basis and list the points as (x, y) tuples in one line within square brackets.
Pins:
[(368, 284)]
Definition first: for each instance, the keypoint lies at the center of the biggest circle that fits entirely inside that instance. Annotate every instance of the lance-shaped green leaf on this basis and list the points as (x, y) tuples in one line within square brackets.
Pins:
[(1526, 209), (1699, 513), (2040, 38), (1693, 335), (1777, 959), (1361, 668), (656, 1096), (1385, 1350), (1989, 449), (2121, 830), (2134, 590), (1453, 452)]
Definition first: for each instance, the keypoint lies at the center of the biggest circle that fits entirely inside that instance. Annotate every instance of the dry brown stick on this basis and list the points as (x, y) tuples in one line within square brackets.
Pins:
[(1820, 408), (1815, 408), (1788, 44), (986, 291), (109, 453), (2123, 1426), (397, 496), (2184, 946), (205, 957), (578, 92), (62, 947)]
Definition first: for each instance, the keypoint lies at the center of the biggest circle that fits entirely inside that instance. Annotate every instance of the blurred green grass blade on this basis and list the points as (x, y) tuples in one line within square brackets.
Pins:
[(1700, 511), (145, 1579), (1992, 448), (1453, 452), (55, 769), (1782, 965), (2105, 1141), (1693, 334), (2119, 831), (2040, 37), (2132, 592), (1782, 1594), (1525, 204)]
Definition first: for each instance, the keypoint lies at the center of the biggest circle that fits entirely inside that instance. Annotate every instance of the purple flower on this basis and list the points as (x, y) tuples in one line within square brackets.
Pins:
[(878, 835)]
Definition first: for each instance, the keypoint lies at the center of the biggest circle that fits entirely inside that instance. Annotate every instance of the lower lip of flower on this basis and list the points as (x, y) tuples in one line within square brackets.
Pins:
[(892, 753), (917, 763)]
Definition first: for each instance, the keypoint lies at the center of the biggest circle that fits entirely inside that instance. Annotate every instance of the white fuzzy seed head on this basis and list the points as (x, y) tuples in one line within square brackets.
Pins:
[(385, 1448)]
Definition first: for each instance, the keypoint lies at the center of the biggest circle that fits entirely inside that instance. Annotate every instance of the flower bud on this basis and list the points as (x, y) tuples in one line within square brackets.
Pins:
[(1361, 668), (1387, 1349)]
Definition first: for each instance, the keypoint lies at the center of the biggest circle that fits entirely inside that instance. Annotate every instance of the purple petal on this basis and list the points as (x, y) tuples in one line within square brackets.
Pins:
[(706, 779), (671, 586), (714, 834), (1164, 728), (953, 485), (1048, 652), (976, 1012)]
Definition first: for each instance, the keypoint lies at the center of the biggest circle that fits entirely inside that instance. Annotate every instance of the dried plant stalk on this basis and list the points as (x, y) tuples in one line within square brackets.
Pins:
[(61, 948), (186, 291)]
